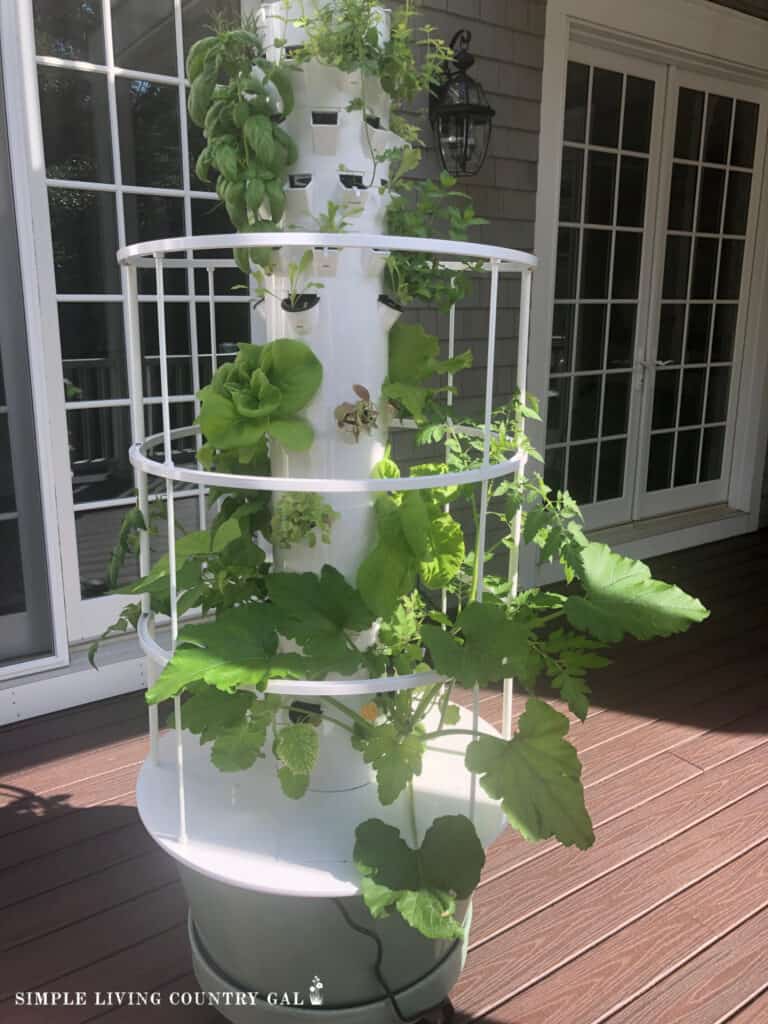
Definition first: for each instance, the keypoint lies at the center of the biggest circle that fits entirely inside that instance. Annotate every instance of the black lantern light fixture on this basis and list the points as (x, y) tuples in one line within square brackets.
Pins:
[(460, 113)]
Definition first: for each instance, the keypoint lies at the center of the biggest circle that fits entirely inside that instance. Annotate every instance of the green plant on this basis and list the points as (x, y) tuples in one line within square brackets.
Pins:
[(429, 209), (300, 517), (245, 144), (358, 416), (333, 220), (298, 280)]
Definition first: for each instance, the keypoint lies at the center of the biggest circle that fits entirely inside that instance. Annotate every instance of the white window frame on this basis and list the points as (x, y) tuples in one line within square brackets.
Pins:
[(682, 32), (79, 619)]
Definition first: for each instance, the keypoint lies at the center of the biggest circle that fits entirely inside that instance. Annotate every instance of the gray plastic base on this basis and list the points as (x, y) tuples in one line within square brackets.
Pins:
[(243, 1007)]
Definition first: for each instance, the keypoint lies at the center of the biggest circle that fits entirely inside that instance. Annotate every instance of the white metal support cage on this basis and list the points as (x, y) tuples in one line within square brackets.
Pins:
[(190, 254)]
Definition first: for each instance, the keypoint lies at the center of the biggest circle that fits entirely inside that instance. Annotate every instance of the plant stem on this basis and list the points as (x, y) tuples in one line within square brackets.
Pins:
[(348, 712), (449, 732), (412, 811)]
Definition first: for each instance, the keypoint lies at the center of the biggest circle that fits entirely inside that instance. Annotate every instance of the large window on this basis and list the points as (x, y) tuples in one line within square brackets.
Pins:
[(119, 159)]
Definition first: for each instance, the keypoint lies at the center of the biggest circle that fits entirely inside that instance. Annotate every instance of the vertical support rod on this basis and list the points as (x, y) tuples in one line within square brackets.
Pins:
[(483, 523), (514, 555), (138, 432), (171, 521), (449, 403), (212, 320)]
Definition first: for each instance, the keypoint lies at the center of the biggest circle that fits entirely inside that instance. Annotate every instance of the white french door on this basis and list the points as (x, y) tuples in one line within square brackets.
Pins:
[(661, 173), (705, 238)]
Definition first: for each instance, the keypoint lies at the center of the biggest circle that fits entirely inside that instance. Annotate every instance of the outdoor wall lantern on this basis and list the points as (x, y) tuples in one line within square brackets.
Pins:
[(460, 113)]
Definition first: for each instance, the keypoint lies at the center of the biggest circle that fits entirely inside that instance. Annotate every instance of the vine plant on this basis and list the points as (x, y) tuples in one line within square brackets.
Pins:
[(547, 639)]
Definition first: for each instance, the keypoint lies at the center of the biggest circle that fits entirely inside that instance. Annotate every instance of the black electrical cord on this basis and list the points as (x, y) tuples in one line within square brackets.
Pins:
[(377, 965)]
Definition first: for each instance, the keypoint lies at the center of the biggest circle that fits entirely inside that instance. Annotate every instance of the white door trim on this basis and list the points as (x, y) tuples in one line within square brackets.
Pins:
[(687, 30), (27, 164)]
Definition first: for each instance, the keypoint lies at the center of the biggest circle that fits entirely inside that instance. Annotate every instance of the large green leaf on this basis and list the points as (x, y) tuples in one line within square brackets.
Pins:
[(293, 368), (622, 597), (238, 748), (537, 776), (238, 649), (297, 746), (319, 612), (480, 655), (207, 711), (446, 552), (395, 758), (421, 884)]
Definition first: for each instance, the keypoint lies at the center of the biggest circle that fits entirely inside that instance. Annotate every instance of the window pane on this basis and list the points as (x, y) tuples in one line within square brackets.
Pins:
[(98, 443), (731, 257), (606, 108), (577, 84), (631, 206), (660, 462), (616, 403), (84, 234), (682, 197), (712, 453), (591, 341), (143, 35), (704, 268), (665, 399), (638, 113), (586, 407), (610, 477), (93, 350), (744, 134), (567, 261), (554, 468), (687, 457), (601, 182), (724, 332), (718, 129), (621, 337), (737, 204), (697, 342), (717, 394), (688, 131), (75, 120), (197, 17), (711, 199), (69, 29), (570, 184), (581, 472), (562, 338), (150, 148), (557, 410), (671, 326), (692, 397), (626, 264), (148, 217), (676, 267), (594, 264)]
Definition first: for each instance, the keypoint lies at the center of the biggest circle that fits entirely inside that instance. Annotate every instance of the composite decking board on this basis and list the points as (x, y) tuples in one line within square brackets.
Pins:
[(710, 985), (50, 871), (95, 811), (85, 897), (753, 1012), (678, 816), (85, 722), (577, 961), (140, 967), (43, 960), (102, 804)]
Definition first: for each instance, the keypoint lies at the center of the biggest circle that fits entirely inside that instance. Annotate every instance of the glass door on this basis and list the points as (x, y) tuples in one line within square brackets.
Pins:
[(26, 624), (611, 147), (713, 165)]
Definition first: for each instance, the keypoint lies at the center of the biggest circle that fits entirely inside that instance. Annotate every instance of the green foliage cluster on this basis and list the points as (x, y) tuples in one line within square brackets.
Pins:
[(429, 209), (238, 99), (301, 517)]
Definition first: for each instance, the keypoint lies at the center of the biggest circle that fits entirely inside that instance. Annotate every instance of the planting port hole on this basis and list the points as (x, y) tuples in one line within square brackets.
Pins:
[(373, 121), (352, 181), (329, 118), (387, 300), (301, 303), (299, 180), (289, 52), (302, 711)]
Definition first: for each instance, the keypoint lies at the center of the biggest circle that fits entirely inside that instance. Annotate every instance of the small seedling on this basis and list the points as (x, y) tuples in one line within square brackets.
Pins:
[(357, 416)]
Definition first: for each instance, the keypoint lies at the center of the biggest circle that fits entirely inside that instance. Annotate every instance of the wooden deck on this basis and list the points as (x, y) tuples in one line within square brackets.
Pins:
[(664, 921)]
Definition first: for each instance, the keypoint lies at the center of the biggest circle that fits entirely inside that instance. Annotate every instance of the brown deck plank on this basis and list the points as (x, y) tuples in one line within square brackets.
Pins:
[(566, 930), (662, 940), (97, 892), (755, 1012), (709, 986), (75, 722), (41, 961), (540, 883)]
